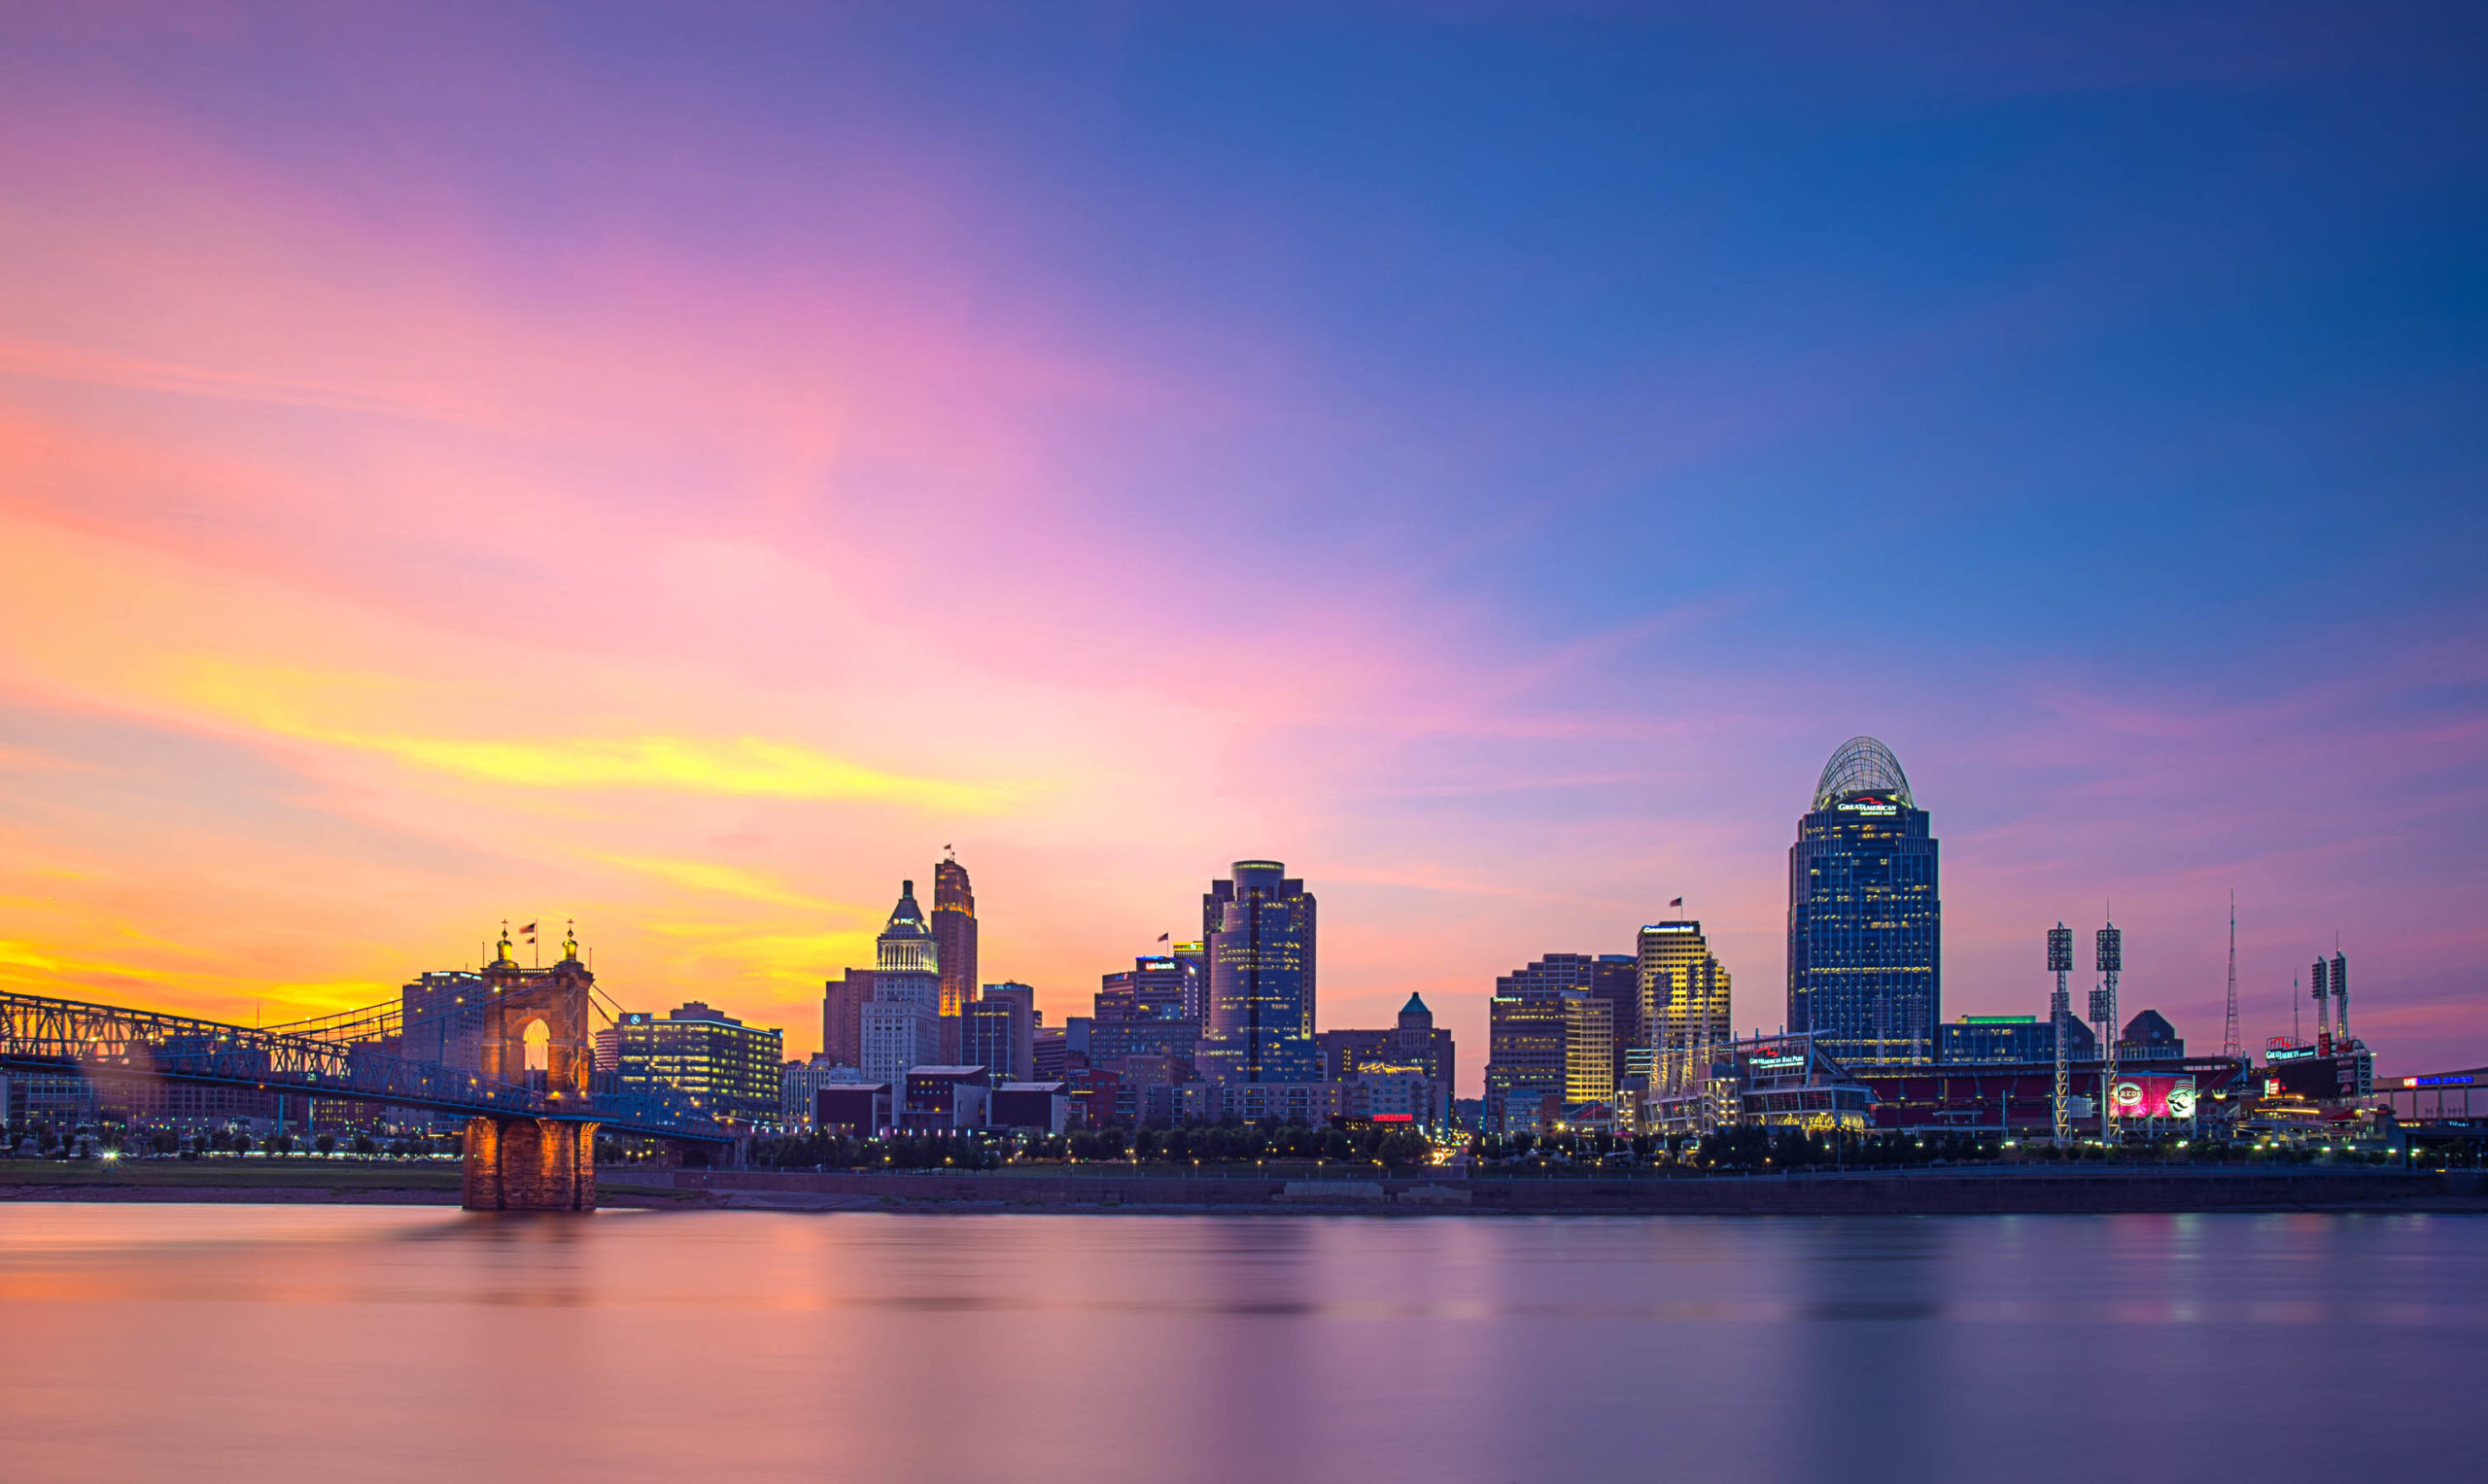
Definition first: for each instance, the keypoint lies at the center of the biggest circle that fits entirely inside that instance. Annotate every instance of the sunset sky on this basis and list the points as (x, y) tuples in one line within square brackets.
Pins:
[(679, 468)]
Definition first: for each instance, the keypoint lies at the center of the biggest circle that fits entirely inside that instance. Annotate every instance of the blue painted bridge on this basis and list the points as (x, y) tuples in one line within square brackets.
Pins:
[(70, 1036)]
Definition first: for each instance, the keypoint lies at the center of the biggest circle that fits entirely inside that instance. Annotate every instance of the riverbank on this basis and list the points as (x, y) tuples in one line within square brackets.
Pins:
[(1994, 1190), (1967, 1191), (301, 1180)]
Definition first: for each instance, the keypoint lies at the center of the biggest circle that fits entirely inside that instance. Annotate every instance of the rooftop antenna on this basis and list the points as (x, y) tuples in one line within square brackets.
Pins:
[(2228, 1043)]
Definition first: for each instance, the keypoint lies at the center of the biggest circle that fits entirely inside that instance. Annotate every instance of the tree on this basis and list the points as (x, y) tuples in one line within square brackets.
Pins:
[(326, 1144)]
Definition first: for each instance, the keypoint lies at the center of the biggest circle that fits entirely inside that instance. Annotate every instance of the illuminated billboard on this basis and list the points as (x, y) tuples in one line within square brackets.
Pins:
[(2152, 1096)]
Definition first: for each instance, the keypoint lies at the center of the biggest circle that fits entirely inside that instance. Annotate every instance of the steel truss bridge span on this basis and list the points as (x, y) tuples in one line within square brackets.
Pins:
[(61, 1037)]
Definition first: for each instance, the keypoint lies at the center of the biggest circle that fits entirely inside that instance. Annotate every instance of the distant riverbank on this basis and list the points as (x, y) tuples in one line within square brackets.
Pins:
[(1942, 1192), (1946, 1191), (302, 1181)]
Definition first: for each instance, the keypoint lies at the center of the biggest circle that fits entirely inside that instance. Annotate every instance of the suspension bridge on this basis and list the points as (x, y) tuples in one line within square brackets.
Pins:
[(530, 1139)]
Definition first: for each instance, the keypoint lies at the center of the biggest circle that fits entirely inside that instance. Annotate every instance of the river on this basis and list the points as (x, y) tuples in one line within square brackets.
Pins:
[(345, 1342)]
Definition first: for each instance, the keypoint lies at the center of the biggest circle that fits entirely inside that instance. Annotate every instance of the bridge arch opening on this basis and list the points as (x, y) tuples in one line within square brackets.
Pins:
[(539, 1039)]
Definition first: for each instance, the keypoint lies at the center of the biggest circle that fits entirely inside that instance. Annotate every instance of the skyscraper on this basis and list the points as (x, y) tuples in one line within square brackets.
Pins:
[(1684, 1000), (1865, 941), (955, 943), (1256, 930), (902, 1022)]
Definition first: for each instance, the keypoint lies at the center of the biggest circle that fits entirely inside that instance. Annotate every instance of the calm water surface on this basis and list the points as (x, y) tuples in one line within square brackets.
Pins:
[(371, 1343)]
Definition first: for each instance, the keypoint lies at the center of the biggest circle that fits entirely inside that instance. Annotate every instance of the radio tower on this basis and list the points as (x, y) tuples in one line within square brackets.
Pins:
[(2228, 1046), (2059, 1012), (2104, 1011)]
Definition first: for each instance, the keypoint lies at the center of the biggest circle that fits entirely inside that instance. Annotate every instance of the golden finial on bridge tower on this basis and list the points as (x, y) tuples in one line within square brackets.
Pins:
[(570, 940), (501, 951)]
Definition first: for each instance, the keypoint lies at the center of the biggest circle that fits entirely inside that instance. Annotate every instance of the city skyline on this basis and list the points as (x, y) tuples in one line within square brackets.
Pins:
[(1496, 516)]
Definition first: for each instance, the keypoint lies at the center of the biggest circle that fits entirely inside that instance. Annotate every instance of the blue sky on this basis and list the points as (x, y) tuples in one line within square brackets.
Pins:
[(1487, 456)]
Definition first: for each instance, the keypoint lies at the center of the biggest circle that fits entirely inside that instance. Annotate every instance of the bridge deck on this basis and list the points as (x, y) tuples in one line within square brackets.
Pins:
[(41, 1034)]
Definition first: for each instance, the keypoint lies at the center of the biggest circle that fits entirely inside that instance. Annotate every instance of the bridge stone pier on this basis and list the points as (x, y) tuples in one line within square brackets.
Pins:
[(518, 1164), (530, 1164)]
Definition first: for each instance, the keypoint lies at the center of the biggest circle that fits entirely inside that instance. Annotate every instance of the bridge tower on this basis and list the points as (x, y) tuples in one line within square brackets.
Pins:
[(520, 1162)]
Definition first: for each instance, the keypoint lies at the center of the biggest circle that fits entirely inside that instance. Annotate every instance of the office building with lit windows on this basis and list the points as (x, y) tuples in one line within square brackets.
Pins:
[(718, 1062), (1256, 932), (1684, 1000), (1158, 986), (1865, 915), (1550, 1041), (1147, 1010), (955, 947), (999, 1032)]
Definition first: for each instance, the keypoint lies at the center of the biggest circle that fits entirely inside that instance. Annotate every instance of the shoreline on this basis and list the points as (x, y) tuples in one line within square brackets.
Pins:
[(1924, 1192), (1969, 1191)]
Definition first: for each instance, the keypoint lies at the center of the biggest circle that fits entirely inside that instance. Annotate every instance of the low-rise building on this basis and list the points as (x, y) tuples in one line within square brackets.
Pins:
[(855, 1108), (800, 1084), (1251, 1102), (1038, 1107), (944, 1100), (1995, 1038), (717, 1062)]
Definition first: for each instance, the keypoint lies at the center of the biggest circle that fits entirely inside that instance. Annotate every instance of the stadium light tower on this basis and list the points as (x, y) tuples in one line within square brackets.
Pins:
[(2340, 998), (2060, 1012), (2103, 1012), (2323, 1015)]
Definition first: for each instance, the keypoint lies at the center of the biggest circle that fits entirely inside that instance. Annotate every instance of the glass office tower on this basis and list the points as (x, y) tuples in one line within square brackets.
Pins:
[(1865, 940), (1256, 931)]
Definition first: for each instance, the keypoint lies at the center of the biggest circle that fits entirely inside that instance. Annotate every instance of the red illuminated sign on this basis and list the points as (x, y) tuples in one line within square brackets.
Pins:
[(2152, 1096)]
